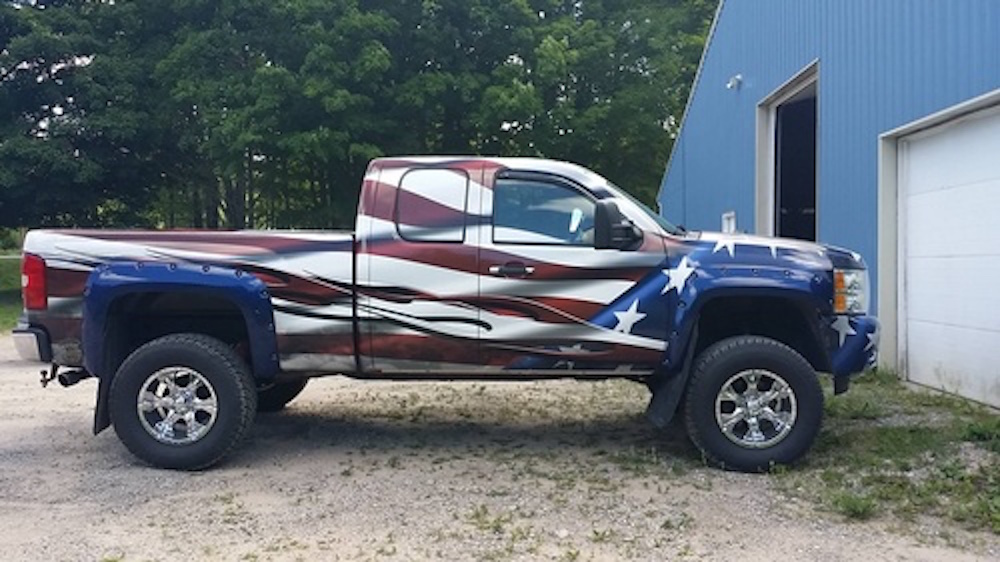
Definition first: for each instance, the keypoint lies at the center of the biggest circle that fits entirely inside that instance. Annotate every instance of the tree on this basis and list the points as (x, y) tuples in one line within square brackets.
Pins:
[(81, 139), (249, 113), (605, 85)]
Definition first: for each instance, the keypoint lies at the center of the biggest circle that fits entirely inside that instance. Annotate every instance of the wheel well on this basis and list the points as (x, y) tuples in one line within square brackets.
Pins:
[(138, 318), (781, 319)]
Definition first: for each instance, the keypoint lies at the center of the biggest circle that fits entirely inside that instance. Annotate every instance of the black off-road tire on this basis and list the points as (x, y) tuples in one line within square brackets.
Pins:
[(705, 406), (274, 397), (227, 377)]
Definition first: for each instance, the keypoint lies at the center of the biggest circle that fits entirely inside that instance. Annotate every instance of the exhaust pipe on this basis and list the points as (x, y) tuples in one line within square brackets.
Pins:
[(69, 378)]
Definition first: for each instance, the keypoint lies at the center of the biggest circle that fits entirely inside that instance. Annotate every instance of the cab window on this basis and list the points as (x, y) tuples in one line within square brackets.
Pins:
[(539, 212), (430, 205)]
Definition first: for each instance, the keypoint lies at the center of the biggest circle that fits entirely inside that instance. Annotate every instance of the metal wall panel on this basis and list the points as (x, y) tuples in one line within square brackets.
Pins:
[(881, 64)]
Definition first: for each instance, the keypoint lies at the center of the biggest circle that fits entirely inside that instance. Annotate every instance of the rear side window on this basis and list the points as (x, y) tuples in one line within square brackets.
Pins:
[(538, 212), (430, 205)]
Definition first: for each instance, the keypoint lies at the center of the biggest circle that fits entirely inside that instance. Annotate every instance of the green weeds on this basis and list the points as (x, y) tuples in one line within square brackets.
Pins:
[(855, 506), (10, 293), (887, 448)]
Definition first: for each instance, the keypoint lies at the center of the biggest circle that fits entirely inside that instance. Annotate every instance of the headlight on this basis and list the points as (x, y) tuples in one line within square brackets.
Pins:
[(850, 291)]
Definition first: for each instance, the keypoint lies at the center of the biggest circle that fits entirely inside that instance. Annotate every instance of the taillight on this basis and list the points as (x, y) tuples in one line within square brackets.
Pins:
[(33, 288)]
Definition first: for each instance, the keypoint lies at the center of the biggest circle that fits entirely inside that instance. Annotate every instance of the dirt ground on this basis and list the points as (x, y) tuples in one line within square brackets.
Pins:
[(418, 471)]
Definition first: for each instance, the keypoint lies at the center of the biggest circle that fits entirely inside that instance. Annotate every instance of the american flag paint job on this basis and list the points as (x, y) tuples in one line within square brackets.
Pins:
[(433, 291)]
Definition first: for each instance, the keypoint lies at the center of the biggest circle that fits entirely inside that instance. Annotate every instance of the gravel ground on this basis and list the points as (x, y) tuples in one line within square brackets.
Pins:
[(418, 471)]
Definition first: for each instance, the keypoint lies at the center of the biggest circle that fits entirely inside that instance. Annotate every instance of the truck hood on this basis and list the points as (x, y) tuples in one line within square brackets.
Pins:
[(803, 253)]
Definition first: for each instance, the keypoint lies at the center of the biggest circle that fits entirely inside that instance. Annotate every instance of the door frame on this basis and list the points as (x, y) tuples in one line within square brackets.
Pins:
[(765, 212)]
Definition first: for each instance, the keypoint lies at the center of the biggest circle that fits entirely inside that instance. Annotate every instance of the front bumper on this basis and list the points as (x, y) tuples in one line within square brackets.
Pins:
[(32, 344), (854, 344)]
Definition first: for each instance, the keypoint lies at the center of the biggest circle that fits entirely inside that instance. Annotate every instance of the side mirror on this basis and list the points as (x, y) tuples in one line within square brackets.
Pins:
[(613, 230)]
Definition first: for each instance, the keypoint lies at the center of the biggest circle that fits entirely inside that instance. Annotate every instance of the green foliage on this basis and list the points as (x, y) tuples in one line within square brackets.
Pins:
[(254, 113), (985, 432), (855, 506), (10, 292), (73, 122), (11, 241), (887, 449)]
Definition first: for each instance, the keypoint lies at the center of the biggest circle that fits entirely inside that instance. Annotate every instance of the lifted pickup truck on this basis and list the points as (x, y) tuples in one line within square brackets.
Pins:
[(459, 268)]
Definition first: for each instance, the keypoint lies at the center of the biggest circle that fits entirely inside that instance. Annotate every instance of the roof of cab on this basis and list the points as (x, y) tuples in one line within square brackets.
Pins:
[(569, 170)]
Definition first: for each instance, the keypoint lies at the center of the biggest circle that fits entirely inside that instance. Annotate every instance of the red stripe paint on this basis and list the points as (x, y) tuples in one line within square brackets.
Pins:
[(471, 259)]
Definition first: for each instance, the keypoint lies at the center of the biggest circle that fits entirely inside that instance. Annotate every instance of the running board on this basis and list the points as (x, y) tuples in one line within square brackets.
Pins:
[(504, 376)]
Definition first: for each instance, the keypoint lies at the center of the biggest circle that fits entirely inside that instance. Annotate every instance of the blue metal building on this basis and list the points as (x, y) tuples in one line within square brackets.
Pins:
[(786, 130)]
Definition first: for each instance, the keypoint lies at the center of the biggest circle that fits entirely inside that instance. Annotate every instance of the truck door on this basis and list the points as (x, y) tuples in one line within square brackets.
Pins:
[(418, 262), (549, 299)]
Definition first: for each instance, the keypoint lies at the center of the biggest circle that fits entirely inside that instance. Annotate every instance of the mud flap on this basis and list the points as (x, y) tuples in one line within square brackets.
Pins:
[(102, 417), (667, 395), (668, 391), (841, 384)]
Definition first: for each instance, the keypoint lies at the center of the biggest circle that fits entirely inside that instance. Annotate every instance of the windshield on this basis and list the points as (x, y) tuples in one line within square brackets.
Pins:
[(656, 217)]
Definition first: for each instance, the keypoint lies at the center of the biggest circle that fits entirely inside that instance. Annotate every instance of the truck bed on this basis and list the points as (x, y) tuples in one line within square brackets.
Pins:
[(300, 269)]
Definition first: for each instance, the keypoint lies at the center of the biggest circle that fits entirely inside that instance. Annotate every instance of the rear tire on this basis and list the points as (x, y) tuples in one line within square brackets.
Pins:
[(274, 397), (753, 403), (182, 401)]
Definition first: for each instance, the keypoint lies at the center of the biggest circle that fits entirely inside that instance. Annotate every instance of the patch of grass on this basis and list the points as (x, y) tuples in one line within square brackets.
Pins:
[(891, 447), (648, 460), (226, 498), (984, 432), (680, 522), (887, 449), (10, 293), (482, 519), (855, 407), (855, 506), (984, 509), (570, 555), (602, 535)]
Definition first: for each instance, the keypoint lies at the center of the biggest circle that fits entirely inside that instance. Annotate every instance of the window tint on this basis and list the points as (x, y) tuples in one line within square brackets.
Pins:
[(430, 205), (536, 212)]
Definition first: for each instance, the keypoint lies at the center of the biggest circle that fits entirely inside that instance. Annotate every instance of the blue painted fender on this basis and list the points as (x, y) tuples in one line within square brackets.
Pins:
[(109, 282), (802, 287)]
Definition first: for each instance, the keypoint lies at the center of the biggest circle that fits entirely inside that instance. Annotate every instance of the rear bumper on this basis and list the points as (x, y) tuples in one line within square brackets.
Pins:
[(32, 344)]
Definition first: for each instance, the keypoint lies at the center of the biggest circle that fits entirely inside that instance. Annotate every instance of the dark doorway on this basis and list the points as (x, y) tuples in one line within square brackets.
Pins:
[(795, 167)]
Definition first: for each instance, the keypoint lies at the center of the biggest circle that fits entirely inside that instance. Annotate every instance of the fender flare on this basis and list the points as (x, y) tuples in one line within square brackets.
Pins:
[(669, 382), (109, 282), (686, 318)]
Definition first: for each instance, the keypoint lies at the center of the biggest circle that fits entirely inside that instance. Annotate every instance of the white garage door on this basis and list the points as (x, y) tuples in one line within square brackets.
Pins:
[(949, 188)]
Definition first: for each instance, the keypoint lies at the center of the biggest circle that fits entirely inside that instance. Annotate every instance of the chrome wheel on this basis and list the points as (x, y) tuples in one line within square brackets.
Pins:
[(177, 405), (756, 409)]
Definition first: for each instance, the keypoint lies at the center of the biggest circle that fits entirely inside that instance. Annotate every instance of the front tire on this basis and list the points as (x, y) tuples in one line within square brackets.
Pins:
[(753, 403), (182, 401)]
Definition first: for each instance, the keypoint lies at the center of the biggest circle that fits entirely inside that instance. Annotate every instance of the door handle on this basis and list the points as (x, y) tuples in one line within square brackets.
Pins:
[(512, 269)]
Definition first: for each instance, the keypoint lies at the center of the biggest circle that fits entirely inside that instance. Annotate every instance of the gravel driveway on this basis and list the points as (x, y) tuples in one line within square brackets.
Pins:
[(386, 471)]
